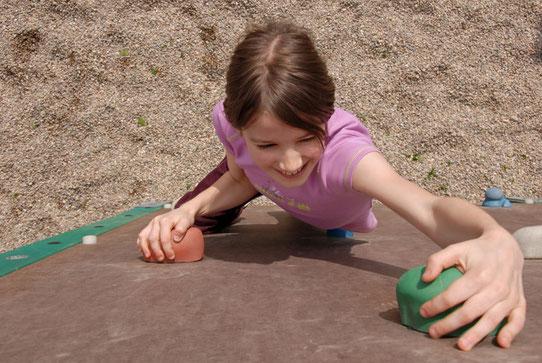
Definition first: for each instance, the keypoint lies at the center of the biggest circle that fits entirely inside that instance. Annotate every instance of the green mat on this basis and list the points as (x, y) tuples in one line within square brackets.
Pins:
[(21, 257)]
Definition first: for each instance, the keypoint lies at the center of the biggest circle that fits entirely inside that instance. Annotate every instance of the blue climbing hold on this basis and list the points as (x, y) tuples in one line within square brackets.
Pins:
[(494, 194), (495, 198), (337, 232)]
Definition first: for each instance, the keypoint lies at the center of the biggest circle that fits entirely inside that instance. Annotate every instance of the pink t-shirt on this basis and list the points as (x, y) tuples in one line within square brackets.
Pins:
[(327, 199)]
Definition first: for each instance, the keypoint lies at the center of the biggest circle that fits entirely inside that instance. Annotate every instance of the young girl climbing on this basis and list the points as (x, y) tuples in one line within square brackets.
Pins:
[(284, 139)]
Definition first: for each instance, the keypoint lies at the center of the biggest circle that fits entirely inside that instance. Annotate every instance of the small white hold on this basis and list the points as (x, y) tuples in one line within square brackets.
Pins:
[(168, 206), (529, 201), (530, 241), (90, 240)]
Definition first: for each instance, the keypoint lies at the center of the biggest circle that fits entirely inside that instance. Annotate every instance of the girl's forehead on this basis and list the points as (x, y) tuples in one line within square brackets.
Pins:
[(266, 126), (267, 120)]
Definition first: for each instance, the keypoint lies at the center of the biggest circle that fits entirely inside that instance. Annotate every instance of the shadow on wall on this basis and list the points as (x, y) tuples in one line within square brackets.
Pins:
[(269, 243)]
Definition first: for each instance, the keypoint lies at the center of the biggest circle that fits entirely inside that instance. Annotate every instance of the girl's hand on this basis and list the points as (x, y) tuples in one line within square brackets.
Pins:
[(162, 231), (491, 288)]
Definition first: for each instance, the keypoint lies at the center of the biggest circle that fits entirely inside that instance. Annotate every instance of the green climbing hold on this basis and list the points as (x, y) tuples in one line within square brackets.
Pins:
[(412, 293)]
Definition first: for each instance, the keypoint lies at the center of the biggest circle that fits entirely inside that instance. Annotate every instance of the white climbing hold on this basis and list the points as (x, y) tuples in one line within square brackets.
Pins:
[(90, 240), (530, 241), (168, 206)]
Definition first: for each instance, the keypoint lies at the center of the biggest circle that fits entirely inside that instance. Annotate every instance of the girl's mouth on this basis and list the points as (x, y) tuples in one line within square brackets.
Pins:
[(294, 173)]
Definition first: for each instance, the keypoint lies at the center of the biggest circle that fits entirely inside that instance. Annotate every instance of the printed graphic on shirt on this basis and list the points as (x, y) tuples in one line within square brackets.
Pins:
[(271, 192), (274, 194), (300, 205)]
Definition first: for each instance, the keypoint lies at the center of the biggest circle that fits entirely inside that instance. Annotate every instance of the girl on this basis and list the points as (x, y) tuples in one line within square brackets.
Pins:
[(284, 139)]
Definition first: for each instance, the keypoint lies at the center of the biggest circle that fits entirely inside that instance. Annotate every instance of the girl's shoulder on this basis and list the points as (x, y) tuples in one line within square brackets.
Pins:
[(348, 142), (344, 124), (224, 130), (220, 119)]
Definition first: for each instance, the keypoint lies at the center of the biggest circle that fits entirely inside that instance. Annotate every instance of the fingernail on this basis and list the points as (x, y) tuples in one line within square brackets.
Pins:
[(423, 313), (464, 343), (176, 238), (171, 257), (433, 332)]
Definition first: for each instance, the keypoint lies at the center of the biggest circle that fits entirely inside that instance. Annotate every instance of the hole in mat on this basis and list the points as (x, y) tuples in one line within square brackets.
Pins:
[(16, 257)]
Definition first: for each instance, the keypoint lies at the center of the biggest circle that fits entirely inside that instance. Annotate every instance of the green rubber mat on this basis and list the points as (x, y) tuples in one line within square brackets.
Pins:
[(23, 256)]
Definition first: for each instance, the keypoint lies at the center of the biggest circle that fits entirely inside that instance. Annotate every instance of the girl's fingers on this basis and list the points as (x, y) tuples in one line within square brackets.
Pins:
[(160, 234), (484, 326), (516, 320), (180, 229), (458, 291), (490, 289), (166, 225), (142, 242), (475, 307), (443, 259), (154, 239), (490, 320)]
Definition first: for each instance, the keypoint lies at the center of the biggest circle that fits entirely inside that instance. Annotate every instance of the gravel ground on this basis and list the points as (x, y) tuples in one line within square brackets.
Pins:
[(450, 90)]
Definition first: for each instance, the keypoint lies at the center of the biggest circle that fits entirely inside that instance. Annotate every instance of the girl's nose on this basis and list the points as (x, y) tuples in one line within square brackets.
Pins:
[(291, 161)]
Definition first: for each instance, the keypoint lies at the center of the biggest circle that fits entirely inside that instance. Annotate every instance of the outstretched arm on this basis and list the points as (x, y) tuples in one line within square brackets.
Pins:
[(486, 253)]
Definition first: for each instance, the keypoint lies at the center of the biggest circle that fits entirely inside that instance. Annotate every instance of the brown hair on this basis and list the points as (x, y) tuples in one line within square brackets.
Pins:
[(277, 69)]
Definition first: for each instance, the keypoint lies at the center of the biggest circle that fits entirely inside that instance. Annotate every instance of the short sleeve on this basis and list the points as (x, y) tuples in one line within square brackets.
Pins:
[(357, 153), (223, 129), (349, 141)]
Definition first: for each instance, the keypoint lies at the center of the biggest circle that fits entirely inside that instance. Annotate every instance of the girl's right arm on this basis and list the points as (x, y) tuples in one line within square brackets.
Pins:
[(230, 190)]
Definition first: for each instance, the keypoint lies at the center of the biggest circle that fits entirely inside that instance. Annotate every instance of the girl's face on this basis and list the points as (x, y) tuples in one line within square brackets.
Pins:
[(285, 153)]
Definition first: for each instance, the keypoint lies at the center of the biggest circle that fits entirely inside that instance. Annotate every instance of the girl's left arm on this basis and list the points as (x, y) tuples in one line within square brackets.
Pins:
[(489, 257)]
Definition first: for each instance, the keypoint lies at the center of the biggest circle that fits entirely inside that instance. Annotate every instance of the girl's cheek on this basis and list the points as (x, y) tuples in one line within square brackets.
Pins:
[(262, 158), (314, 152), (268, 160)]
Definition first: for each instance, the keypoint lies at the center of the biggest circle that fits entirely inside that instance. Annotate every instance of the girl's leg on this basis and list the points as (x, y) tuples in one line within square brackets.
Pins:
[(214, 222)]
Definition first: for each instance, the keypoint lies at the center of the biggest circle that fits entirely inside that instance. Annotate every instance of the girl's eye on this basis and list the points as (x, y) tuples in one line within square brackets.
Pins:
[(264, 146), (308, 139)]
